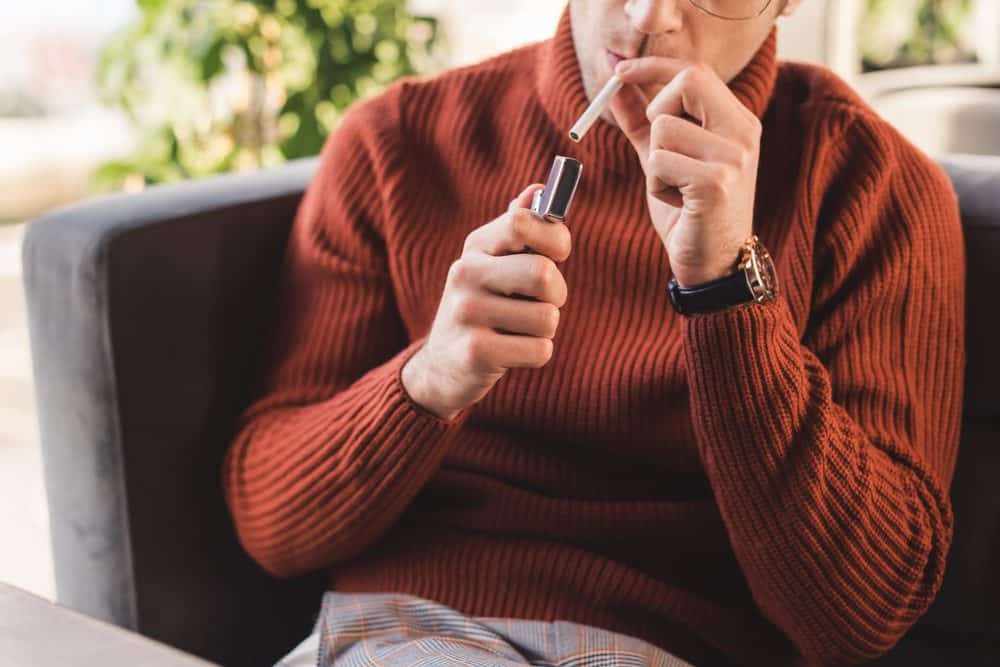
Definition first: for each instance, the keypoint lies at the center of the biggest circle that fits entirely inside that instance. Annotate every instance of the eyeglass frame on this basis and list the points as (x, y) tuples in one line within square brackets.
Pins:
[(730, 18)]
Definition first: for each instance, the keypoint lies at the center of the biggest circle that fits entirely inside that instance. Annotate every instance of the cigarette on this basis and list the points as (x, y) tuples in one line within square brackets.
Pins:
[(596, 108)]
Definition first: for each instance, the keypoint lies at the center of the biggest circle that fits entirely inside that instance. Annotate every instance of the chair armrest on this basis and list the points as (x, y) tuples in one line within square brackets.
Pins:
[(147, 313)]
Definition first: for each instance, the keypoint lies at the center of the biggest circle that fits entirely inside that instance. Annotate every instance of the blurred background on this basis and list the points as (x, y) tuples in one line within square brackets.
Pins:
[(98, 96)]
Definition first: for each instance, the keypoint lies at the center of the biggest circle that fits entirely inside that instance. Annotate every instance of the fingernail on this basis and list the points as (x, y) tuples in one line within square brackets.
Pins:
[(623, 66)]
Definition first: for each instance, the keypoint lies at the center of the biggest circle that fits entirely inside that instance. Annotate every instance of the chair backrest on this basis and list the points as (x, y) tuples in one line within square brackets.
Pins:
[(147, 314), (967, 609), (944, 109), (951, 120)]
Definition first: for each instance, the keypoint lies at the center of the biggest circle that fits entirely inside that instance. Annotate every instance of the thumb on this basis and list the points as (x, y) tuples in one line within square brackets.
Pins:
[(629, 110), (523, 200)]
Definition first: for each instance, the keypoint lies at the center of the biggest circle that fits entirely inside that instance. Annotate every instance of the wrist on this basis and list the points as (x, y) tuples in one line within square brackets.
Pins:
[(752, 280), (688, 279), (414, 379), (721, 265), (692, 280)]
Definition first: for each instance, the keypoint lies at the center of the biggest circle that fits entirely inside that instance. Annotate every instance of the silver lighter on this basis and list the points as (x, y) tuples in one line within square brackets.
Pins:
[(554, 201)]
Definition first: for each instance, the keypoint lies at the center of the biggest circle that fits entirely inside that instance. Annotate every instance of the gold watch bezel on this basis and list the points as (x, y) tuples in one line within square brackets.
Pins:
[(756, 263)]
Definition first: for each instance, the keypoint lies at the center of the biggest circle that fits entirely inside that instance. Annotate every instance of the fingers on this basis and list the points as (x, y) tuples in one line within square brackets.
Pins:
[(506, 315), (526, 274), (486, 288), (489, 350), (523, 200), (693, 89), (518, 230), (668, 173), (629, 109), (650, 69), (682, 136)]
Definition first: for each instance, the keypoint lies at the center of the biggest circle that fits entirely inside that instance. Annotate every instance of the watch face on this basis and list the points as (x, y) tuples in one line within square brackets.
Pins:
[(765, 283)]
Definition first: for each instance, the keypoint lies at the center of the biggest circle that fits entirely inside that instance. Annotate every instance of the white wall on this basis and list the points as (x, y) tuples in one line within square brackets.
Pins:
[(987, 31), (803, 36), (476, 29)]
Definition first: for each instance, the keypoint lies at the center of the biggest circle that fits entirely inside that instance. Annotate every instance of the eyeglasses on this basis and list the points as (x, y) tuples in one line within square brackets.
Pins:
[(732, 10)]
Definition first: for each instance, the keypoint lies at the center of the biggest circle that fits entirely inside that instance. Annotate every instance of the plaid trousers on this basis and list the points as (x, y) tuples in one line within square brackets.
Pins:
[(397, 630)]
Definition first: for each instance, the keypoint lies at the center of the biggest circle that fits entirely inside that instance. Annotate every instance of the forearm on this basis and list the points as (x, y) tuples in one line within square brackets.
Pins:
[(313, 485), (842, 536)]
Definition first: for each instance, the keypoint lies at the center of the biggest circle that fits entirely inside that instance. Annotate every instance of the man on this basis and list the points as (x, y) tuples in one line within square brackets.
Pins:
[(762, 478)]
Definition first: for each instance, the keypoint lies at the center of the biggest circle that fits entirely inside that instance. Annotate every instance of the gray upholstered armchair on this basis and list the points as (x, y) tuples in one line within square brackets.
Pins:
[(147, 313)]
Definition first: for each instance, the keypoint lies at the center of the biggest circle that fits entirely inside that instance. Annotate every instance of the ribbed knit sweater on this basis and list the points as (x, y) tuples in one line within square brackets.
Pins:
[(767, 484)]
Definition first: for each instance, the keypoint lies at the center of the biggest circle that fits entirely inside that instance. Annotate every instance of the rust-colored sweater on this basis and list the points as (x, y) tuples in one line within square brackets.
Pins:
[(766, 484)]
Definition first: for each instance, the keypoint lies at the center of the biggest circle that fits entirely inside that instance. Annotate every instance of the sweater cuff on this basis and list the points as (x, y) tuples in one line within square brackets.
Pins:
[(711, 331), (729, 350), (736, 360)]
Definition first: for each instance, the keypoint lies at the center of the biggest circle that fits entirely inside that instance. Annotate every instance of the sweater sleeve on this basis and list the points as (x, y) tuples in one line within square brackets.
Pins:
[(830, 457), (333, 449)]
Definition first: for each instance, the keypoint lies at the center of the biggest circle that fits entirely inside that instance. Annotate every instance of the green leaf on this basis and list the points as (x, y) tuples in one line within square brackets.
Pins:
[(211, 63), (175, 72)]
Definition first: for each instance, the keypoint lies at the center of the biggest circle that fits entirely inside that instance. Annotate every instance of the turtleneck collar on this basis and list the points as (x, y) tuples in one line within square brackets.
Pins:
[(560, 89)]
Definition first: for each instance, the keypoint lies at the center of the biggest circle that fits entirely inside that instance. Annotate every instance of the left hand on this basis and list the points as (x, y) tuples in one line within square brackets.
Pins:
[(700, 179)]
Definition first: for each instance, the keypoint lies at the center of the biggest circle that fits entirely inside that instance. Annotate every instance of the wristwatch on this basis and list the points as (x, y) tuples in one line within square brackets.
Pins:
[(754, 281)]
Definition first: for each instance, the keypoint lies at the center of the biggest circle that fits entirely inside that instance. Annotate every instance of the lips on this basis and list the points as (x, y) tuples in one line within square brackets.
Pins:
[(614, 58)]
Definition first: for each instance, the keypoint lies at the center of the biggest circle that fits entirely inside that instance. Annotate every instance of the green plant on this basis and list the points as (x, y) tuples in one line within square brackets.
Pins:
[(221, 85), (900, 33)]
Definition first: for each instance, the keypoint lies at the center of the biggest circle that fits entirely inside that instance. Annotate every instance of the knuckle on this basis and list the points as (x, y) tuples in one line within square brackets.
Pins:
[(471, 240), (520, 224), (466, 307), (734, 156), (713, 190), (718, 176), (459, 271), (656, 160), (660, 132), (748, 143), (452, 271), (688, 76), (652, 182), (542, 272), (751, 129), (476, 350), (698, 72), (662, 122)]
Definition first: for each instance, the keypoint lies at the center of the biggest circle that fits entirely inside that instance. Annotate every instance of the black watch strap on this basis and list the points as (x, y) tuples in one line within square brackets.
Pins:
[(718, 294)]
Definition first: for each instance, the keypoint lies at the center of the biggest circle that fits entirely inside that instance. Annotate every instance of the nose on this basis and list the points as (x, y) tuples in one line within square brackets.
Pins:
[(654, 16)]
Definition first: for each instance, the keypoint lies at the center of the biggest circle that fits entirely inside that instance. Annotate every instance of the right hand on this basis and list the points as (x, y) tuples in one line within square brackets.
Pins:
[(481, 327)]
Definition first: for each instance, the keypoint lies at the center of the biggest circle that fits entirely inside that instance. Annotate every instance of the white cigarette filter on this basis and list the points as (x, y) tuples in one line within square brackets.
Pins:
[(596, 108)]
